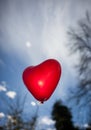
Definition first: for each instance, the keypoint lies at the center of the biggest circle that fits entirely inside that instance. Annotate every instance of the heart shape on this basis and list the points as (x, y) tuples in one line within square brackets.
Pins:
[(41, 80)]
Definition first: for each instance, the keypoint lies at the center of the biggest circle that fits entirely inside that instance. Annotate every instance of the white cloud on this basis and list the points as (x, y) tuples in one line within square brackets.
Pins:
[(11, 94), (46, 121), (86, 125), (2, 115), (2, 88), (33, 103), (51, 129)]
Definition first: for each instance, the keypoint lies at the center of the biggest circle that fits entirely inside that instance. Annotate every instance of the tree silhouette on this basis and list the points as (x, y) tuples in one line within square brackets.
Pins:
[(62, 117), (80, 44)]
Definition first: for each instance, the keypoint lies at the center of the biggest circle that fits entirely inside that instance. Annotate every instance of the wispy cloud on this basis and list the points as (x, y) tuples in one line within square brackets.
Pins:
[(44, 23)]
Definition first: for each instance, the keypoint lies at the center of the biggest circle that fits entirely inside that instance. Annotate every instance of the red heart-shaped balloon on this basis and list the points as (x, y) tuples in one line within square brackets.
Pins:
[(41, 80)]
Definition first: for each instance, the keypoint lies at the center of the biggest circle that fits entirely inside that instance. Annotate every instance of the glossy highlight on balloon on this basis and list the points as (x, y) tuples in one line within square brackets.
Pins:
[(41, 80)]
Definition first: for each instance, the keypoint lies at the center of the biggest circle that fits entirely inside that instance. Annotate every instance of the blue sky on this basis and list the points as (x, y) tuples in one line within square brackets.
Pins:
[(32, 31)]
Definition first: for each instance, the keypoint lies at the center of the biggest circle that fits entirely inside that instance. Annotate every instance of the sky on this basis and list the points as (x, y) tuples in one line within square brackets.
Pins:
[(32, 31)]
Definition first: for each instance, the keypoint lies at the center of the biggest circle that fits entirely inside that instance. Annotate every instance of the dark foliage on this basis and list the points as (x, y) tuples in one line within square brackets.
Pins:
[(62, 117)]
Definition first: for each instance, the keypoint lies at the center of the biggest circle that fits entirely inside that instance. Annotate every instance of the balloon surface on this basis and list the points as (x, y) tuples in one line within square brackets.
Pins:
[(41, 80)]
